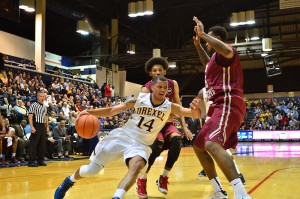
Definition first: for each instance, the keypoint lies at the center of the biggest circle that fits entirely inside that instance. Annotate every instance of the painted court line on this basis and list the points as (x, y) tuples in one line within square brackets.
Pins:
[(266, 178)]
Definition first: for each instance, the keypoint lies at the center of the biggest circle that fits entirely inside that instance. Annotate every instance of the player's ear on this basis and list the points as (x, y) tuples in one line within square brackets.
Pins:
[(150, 73), (164, 72)]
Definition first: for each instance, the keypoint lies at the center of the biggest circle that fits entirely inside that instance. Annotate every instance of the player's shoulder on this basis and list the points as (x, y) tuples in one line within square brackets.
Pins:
[(148, 83)]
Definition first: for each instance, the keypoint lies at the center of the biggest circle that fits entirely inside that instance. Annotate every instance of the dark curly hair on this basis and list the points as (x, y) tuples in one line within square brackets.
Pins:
[(156, 60), (219, 31)]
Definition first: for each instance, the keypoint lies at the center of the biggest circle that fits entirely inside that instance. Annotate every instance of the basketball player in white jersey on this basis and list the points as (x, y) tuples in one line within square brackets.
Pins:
[(204, 107), (151, 112)]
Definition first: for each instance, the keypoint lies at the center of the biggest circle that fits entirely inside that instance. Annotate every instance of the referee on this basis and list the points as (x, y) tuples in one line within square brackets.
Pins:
[(38, 121)]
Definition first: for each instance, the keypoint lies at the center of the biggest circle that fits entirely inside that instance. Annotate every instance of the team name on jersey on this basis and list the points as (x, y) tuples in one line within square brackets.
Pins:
[(210, 92), (150, 111)]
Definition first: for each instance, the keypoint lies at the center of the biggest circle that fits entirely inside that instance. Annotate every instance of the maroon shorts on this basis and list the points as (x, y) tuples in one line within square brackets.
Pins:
[(166, 131), (222, 127)]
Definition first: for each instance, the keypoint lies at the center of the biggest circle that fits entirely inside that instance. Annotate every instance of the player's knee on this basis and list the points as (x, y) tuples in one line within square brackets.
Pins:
[(176, 141), (175, 146), (212, 147), (137, 166), (156, 147), (198, 150), (90, 170)]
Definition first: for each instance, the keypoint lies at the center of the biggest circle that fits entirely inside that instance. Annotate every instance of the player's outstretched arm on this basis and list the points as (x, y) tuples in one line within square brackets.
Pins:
[(192, 112), (204, 58), (215, 43), (111, 111)]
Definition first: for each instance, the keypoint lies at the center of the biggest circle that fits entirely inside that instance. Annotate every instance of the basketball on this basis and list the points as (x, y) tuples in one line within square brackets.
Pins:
[(87, 126)]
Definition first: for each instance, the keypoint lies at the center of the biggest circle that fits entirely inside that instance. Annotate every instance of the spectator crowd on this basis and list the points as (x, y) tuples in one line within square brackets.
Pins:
[(273, 114), (65, 99)]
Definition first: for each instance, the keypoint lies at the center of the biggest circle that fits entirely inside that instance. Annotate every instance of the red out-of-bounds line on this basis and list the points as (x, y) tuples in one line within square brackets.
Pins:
[(265, 179)]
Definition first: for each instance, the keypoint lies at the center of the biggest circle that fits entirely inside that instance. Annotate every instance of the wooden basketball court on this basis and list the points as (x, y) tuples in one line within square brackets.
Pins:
[(271, 170)]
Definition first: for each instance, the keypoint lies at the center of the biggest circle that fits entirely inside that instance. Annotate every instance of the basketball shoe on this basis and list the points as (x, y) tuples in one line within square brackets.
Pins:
[(14, 160), (162, 184), (218, 195), (242, 178), (2, 161), (63, 188), (202, 174), (141, 188)]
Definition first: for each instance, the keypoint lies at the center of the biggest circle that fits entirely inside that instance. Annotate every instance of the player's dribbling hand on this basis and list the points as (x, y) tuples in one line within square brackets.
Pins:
[(84, 112)]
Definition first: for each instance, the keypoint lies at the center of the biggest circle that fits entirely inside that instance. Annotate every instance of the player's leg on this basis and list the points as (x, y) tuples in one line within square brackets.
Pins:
[(135, 165), (174, 140), (156, 148), (207, 161), (236, 167), (105, 152), (209, 167), (223, 138), (84, 171), (135, 156)]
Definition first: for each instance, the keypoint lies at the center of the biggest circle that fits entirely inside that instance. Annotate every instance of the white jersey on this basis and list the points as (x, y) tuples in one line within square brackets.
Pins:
[(147, 120)]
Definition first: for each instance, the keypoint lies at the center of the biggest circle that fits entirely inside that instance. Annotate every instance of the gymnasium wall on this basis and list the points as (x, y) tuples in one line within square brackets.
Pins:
[(16, 46)]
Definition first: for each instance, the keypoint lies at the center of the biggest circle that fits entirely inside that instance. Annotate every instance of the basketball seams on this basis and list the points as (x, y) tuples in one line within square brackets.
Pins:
[(93, 128), (84, 125)]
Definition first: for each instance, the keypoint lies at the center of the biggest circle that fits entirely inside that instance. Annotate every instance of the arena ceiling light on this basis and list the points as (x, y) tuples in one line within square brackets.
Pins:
[(131, 48), (172, 64), (148, 7), (242, 18), (250, 19), (254, 34), (27, 5), (132, 9), (140, 8), (83, 27)]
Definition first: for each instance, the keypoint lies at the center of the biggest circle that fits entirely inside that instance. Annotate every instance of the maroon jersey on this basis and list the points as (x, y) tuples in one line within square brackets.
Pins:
[(224, 87), (224, 84), (170, 93)]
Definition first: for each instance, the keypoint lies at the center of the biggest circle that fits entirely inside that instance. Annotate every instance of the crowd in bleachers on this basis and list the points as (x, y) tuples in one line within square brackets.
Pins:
[(65, 99), (273, 114)]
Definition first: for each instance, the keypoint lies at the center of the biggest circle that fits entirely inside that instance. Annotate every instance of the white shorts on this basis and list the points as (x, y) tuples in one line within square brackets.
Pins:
[(117, 144)]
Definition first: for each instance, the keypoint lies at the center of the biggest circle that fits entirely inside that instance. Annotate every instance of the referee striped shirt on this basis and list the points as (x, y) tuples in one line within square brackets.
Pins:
[(39, 112)]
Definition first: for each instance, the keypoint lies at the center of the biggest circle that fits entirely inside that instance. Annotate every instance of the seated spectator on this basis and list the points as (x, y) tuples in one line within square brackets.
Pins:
[(60, 133), (4, 80), (51, 143), (8, 140), (20, 111), (23, 141), (9, 102), (66, 110), (60, 117), (52, 119), (25, 93)]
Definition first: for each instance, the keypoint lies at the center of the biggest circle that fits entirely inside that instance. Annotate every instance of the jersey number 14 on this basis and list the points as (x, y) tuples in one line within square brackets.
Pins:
[(148, 124)]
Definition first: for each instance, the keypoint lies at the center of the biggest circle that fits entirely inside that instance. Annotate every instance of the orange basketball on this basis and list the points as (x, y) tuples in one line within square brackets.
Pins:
[(87, 126)]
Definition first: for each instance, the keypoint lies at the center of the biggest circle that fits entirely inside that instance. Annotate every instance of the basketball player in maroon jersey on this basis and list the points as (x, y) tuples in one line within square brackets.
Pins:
[(224, 87), (169, 137)]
